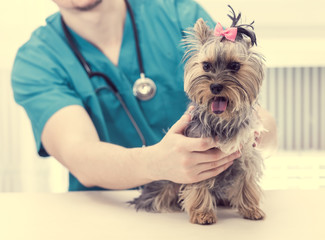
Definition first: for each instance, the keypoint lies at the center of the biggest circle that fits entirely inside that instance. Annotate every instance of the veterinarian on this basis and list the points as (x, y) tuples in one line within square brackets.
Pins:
[(96, 127)]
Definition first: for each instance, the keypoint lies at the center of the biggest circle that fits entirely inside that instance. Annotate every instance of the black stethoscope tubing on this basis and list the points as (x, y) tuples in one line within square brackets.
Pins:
[(91, 74), (136, 37)]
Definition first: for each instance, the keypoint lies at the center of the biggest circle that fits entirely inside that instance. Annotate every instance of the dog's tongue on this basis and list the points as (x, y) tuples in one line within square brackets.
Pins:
[(219, 105)]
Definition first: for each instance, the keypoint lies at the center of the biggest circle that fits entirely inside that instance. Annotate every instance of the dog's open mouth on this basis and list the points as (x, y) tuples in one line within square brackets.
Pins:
[(219, 105)]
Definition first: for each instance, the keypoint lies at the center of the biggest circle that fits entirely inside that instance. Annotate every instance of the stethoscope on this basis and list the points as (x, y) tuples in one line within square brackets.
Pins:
[(143, 88)]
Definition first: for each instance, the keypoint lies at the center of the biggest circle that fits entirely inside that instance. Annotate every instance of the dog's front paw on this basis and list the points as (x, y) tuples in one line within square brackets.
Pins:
[(203, 218), (255, 214)]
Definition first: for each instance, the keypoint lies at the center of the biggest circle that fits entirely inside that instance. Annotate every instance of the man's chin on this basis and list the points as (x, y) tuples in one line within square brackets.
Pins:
[(89, 6)]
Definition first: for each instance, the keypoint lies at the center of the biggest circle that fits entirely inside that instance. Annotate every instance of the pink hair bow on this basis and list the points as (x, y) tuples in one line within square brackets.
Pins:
[(229, 33)]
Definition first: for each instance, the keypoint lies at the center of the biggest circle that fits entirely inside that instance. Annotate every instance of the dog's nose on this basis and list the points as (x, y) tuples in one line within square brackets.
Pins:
[(216, 88)]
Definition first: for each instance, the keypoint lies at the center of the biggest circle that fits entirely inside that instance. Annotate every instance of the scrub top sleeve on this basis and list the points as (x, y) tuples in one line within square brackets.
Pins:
[(189, 12), (40, 87)]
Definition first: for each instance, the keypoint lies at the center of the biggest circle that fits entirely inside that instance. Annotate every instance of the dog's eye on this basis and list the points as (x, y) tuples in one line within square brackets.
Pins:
[(233, 66), (207, 67)]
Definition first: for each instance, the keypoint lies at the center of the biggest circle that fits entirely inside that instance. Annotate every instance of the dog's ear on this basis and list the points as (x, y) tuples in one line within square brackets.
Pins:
[(201, 31), (195, 38), (248, 35)]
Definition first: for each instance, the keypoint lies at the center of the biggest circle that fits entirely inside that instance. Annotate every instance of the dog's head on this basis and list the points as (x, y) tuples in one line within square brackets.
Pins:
[(223, 72)]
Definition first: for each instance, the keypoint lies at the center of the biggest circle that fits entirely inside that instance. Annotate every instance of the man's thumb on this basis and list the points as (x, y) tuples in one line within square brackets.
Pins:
[(182, 123)]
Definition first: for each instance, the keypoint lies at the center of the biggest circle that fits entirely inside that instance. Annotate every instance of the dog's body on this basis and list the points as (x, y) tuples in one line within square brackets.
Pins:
[(223, 79)]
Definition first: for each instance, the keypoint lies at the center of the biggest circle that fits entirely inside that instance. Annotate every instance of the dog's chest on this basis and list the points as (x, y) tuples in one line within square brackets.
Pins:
[(229, 135)]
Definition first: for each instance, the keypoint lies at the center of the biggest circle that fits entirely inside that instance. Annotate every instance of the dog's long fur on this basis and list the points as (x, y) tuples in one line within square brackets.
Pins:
[(234, 128)]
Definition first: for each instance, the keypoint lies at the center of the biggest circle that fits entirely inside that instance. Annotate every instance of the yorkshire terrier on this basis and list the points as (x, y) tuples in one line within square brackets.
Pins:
[(223, 77)]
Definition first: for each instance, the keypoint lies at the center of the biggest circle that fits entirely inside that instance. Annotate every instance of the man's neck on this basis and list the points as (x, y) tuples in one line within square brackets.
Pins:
[(102, 26)]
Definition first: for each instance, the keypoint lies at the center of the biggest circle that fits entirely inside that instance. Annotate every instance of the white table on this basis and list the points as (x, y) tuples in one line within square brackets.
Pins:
[(291, 214)]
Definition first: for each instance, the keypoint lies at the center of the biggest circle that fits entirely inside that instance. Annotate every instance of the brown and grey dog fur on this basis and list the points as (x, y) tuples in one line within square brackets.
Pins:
[(218, 71)]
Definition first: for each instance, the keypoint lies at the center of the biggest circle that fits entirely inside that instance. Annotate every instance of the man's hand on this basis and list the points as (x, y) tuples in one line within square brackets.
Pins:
[(186, 160)]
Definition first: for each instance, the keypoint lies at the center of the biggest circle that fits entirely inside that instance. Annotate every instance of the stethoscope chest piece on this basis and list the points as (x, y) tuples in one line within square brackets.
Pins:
[(144, 88)]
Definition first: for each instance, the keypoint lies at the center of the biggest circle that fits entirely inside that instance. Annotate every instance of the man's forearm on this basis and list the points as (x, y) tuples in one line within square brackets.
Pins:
[(106, 165)]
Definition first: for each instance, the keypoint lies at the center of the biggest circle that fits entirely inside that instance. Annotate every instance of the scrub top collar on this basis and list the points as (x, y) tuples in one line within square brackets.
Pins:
[(127, 56)]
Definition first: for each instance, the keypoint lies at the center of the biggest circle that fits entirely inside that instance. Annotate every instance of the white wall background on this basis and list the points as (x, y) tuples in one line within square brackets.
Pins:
[(20, 167), (290, 33)]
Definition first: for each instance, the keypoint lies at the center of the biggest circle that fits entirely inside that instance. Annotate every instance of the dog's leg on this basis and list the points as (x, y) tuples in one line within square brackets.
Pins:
[(160, 196), (198, 202), (245, 196)]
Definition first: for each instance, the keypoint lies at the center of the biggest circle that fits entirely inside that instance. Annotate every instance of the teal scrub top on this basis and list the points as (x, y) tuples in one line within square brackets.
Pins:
[(47, 76)]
